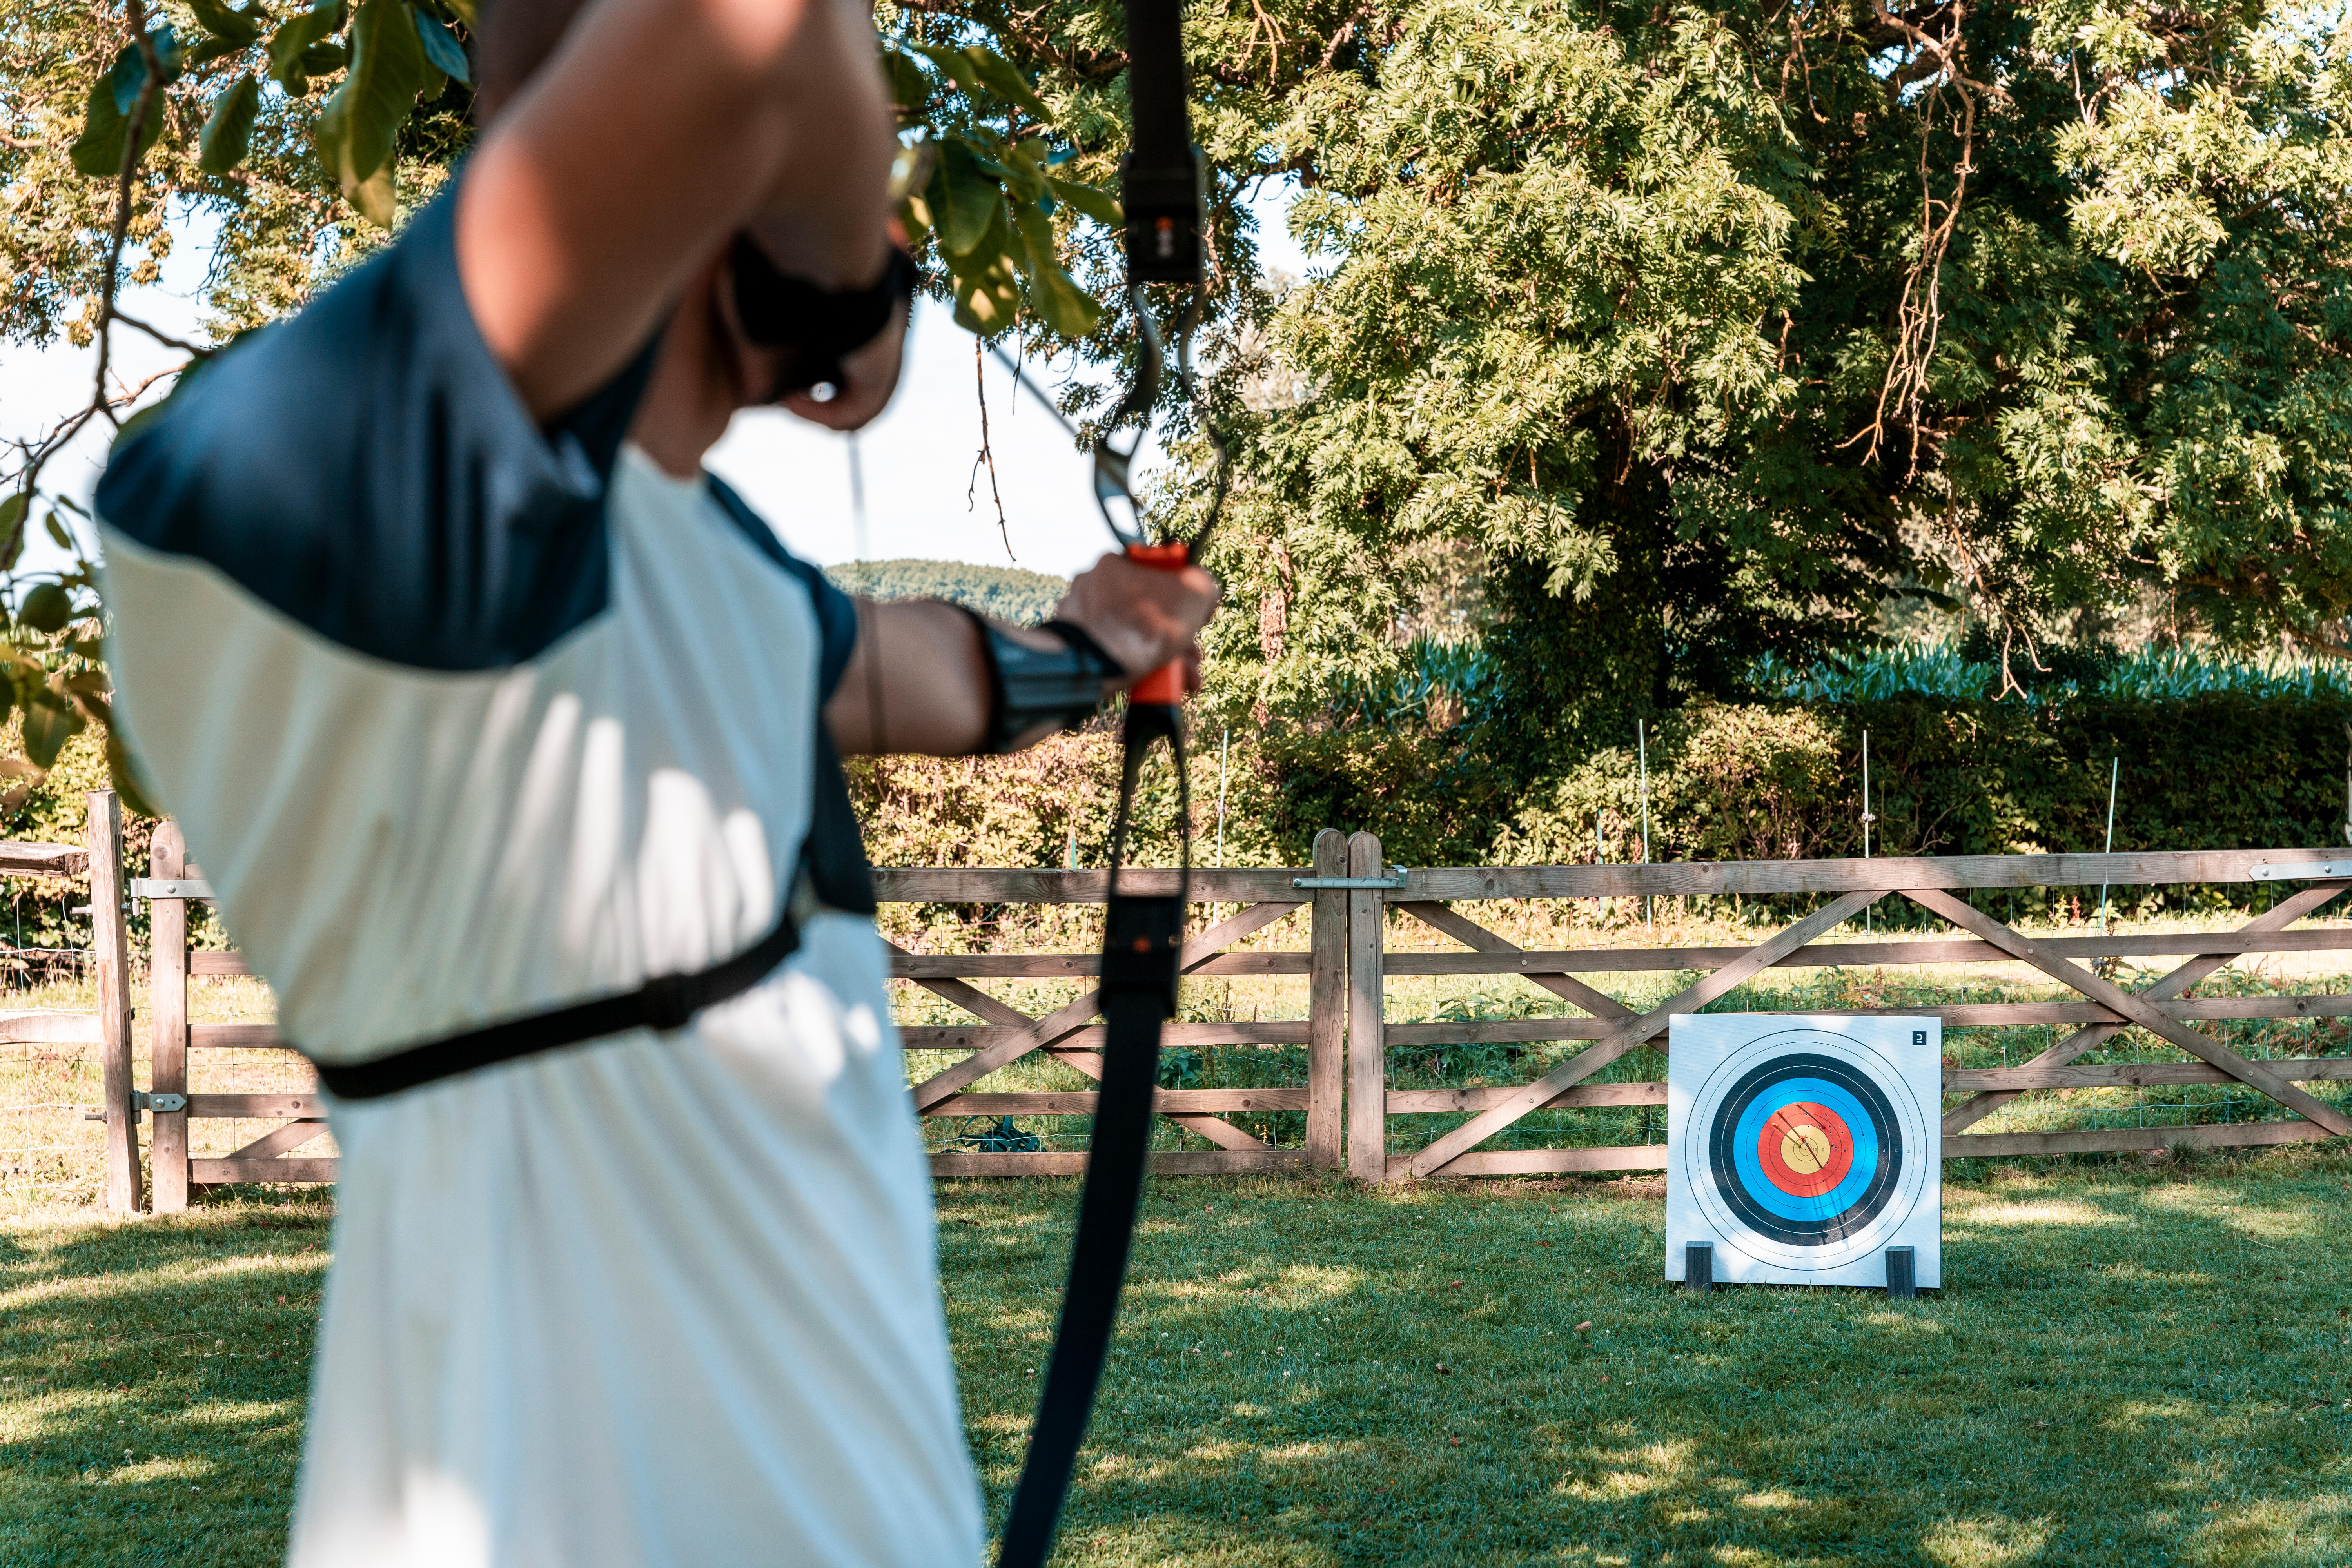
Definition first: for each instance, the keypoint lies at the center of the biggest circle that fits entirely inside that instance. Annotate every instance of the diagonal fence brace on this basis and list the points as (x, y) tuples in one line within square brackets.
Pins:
[(2135, 1008), (2084, 1040), (1442, 1150)]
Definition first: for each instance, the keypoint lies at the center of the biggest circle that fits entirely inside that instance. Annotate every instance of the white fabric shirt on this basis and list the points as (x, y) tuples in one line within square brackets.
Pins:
[(660, 1298)]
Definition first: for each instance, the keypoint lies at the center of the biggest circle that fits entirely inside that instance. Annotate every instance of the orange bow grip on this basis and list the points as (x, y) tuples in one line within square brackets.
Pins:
[(1164, 686)]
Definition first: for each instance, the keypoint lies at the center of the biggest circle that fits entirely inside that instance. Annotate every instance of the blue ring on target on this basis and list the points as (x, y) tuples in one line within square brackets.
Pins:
[(1751, 1132), (1755, 1201)]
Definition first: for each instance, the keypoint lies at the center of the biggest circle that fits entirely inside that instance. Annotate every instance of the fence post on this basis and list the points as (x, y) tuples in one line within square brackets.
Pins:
[(110, 951), (1368, 1074), (1326, 1001), (167, 1006)]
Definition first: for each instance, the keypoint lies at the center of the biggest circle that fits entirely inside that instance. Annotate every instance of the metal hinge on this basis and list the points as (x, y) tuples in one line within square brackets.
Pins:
[(1393, 883), (170, 887), (2304, 871), (142, 1101)]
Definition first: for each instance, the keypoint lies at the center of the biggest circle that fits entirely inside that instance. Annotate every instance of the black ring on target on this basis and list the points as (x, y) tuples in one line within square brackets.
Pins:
[(1829, 1228)]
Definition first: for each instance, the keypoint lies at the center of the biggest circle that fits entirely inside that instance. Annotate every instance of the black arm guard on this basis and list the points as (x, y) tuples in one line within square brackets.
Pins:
[(1028, 687)]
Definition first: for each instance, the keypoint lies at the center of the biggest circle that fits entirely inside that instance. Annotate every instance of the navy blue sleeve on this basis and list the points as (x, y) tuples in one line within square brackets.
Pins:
[(366, 468), (837, 614)]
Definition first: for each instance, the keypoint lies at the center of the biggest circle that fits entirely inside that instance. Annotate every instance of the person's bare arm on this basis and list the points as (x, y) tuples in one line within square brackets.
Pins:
[(657, 128), (918, 669)]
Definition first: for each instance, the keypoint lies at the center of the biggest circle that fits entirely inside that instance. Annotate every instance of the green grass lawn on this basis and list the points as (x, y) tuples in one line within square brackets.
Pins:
[(2131, 1363)]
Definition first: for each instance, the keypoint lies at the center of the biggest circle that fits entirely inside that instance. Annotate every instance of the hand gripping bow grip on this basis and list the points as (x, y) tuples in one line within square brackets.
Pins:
[(1163, 687)]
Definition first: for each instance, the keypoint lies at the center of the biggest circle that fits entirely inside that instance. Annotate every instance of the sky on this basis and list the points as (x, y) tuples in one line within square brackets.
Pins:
[(916, 459)]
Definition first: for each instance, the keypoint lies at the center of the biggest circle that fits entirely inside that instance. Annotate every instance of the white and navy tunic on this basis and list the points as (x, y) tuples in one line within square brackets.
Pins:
[(466, 719)]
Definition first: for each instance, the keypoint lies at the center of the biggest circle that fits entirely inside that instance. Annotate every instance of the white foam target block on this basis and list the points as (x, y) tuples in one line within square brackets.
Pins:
[(1802, 1147)]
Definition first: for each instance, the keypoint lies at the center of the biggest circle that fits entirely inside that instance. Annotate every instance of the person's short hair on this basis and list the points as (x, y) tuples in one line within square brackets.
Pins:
[(512, 38)]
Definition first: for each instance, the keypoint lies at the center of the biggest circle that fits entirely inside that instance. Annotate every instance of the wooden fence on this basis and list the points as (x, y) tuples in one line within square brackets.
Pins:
[(1346, 1015), (1348, 1100), (1938, 885)]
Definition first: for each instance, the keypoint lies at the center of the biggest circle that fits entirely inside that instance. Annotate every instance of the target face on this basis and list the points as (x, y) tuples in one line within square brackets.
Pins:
[(1800, 1150)]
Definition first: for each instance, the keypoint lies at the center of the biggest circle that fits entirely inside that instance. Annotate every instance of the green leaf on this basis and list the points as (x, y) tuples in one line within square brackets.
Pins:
[(129, 783), (58, 531), (228, 130), (287, 44), (50, 723), (1057, 301), (1006, 79), (377, 198), (127, 76), (208, 51), (235, 28), (360, 125), (145, 417), (1024, 177), (448, 56), (47, 608), (99, 150), (12, 511), (964, 198), (130, 72), (1092, 200), (987, 294), (910, 87), (325, 59), (974, 67)]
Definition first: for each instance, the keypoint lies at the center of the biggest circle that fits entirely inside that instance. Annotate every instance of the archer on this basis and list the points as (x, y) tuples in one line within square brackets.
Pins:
[(507, 739)]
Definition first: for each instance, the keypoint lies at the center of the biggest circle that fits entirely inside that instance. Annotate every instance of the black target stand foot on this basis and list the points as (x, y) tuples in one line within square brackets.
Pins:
[(1902, 1279), (1698, 1266)]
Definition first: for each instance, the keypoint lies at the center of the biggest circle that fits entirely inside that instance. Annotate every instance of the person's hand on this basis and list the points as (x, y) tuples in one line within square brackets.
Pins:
[(1142, 616), (869, 376)]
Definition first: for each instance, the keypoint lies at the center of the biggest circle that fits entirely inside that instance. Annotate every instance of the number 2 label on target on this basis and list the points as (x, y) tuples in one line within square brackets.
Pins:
[(1800, 1147)]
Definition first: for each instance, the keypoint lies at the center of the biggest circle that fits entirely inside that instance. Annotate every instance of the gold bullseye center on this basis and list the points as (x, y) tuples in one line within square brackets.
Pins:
[(1805, 1149)]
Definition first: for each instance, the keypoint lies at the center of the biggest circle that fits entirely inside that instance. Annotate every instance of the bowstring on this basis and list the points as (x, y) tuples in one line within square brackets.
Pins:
[(869, 611)]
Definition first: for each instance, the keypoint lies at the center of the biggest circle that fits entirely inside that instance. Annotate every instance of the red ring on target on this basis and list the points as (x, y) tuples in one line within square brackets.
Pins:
[(1800, 1126)]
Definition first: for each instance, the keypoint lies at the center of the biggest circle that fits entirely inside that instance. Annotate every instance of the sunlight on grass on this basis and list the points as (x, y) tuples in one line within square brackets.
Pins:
[(2290, 1532), (1310, 1373), (1986, 1541), (2039, 1214)]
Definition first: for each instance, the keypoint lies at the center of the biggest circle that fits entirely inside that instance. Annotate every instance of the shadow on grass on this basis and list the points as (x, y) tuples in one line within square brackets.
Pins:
[(2117, 1372), (2129, 1365), (155, 1373)]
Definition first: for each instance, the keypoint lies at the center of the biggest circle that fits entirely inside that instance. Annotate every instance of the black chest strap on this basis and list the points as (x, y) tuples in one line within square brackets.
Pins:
[(833, 874), (664, 1003)]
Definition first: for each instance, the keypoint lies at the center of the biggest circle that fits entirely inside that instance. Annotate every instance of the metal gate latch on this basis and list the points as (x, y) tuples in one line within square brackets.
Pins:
[(1393, 881)]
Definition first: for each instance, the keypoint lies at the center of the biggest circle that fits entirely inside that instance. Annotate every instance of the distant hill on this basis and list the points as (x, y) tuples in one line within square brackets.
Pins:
[(1006, 592)]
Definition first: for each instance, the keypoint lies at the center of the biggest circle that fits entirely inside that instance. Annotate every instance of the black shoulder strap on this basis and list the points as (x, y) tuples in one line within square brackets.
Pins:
[(834, 854)]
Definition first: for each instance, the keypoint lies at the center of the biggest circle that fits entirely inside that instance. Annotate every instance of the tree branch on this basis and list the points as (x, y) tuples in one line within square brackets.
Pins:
[(135, 12)]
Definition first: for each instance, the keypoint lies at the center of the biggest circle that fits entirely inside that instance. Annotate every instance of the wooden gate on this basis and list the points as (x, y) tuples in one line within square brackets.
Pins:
[(1937, 885), (1004, 1035), (170, 886), (999, 1034)]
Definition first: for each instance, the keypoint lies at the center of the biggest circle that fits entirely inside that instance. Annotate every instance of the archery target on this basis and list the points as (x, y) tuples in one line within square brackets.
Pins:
[(1802, 1149)]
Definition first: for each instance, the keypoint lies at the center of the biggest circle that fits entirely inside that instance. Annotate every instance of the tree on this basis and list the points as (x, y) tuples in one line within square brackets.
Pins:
[(1677, 335), (304, 135)]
